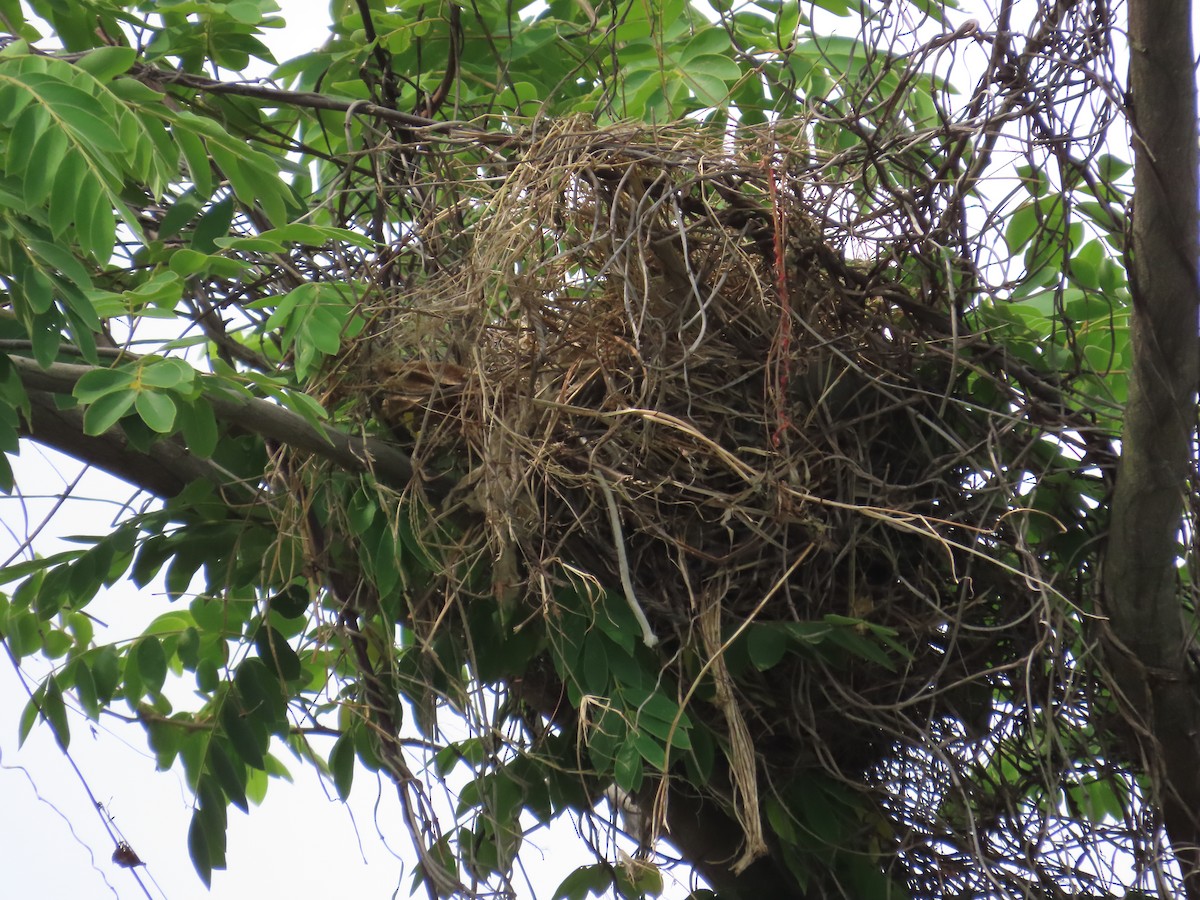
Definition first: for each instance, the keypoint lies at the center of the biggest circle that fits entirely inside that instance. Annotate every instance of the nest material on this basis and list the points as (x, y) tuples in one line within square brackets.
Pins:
[(672, 364)]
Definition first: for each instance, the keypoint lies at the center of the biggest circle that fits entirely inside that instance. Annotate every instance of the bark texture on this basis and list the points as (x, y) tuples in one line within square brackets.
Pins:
[(1148, 639)]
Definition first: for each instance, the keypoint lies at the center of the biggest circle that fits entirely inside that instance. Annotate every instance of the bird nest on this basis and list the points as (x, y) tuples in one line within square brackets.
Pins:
[(711, 380)]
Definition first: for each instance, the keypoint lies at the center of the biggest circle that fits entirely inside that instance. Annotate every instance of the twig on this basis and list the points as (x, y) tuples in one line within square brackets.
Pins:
[(614, 520)]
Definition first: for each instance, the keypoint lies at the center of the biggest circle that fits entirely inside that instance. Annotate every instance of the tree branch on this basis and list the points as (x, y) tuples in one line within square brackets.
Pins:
[(158, 78), (1148, 640), (163, 471), (350, 452)]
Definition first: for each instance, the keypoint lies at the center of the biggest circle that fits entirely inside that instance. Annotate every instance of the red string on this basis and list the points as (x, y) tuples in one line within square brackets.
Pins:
[(779, 361)]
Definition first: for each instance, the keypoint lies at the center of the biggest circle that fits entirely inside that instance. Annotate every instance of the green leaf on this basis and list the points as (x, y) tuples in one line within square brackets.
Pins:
[(213, 225), (29, 716), (106, 411), (249, 742), (781, 820), (59, 261), (230, 775), (85, 689), (341, 764), (316, 236), (157, 410), (208, 676), (250, 245), (262, 695), (198, 848), (186, 263), (105, 63), (607, 734), (252, 178), (99, 382), (39, 295), (862, 646), (13, 100), (638, 880), (95, 223), (650, 749), (766, 645), (55, 712), (54, 592), (81, 627), (106, 672), (151, 663), (1111, 167), (51, 149), (75, 109), (277, 653), (198, 425), (188, 648), (787, 23), (303, 405), (292, 602), (595, 667), (627, 767), (710, 41), (595, 879), (66, 193), (658, 713), (709, 90), (198, 163), (257, 783), (56, 644), (1085, 265), (26, 132), (166, 373), (718, 68), (246, 12), (838, 7), (167, 739), (180, 213)]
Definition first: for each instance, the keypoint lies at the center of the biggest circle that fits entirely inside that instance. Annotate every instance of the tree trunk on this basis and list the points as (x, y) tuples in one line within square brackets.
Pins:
[(1148, 641)]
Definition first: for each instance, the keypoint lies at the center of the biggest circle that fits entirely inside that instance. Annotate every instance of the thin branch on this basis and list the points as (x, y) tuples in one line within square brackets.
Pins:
[(438, 98), (160, 78)]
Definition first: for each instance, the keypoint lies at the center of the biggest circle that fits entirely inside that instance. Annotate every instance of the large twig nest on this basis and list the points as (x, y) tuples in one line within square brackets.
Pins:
[(678, 367)]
